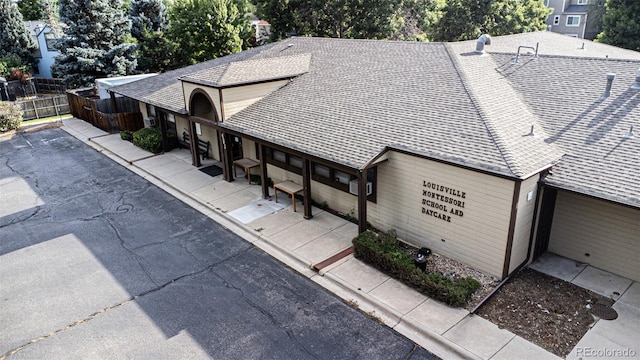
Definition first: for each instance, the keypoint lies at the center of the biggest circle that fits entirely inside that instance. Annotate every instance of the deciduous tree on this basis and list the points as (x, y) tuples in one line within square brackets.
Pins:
[(206, 29), (468, 19)]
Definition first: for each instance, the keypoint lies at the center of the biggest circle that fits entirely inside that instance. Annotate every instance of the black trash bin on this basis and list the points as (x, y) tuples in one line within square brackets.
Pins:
[(420, 261)]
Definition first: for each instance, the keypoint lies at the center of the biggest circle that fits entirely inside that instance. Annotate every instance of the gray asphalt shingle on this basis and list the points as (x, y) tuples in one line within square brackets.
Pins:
[(354, 98)]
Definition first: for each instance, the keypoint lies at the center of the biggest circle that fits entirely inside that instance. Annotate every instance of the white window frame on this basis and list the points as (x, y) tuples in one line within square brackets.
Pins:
[(571, 17), (556, 20), (198, 129), (583, 2)]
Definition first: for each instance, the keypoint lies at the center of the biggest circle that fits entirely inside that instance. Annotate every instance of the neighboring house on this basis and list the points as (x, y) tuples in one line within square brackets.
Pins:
[(46, 52), (569, 17), (482, 158), (262, 29)]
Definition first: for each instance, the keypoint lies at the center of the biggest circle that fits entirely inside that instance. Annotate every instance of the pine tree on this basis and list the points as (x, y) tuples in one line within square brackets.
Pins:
[(147, 15), (31, 9), (14, 36), (95, 44), (621, 24)]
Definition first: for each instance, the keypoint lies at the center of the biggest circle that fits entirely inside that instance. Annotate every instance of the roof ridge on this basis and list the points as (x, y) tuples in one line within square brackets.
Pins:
[(465, 84), (505, 114), (571, 57)]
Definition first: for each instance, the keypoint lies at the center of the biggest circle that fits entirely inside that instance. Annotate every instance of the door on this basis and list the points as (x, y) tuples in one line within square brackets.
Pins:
[(236, 148), (544, 224)]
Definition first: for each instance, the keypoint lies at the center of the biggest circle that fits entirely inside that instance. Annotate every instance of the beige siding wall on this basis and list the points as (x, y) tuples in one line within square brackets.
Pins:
[(524, 218), (609, 233), (213, 94), (477, 238), (209, 134), (238, 98), (182, 125), (143, 109)]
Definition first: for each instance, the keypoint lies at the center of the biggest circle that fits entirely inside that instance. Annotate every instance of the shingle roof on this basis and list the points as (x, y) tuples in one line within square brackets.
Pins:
[(565, 95), (363, 96), (442, 101), (251, 71), (165, 90)]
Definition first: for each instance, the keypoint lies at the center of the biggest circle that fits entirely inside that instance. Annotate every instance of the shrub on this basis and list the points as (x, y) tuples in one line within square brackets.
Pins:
[(149, 139), (383, 252), (10, 116), (126, 135)]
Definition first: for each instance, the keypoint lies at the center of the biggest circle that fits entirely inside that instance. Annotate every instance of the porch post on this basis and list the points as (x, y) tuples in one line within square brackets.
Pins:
[(191, 133), (227, 157), (195, 161), (263, 172), (306, 188), (362, 201), (162, 119)]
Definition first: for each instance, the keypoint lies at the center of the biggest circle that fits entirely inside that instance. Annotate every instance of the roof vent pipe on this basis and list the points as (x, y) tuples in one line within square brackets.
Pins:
[(636, 85), (483, 40), (629, 135), (607, 91)]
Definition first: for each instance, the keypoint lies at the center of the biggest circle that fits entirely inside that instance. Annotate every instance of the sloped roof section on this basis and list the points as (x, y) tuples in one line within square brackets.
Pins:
[(251, 71), (165, 90), (565, 94), (513, 127), (360, 97)]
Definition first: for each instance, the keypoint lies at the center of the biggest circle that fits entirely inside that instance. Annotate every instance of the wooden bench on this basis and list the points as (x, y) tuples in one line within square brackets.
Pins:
[(203, 146)]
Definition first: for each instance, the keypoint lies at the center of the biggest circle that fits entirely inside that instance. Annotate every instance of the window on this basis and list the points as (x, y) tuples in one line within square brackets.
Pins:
[(51, 39), (279, 156), (573, 20), (321, 173), (151, 111), (198, 129), (556, 20), (546, 3), (171, 118), (583, 2), (295, 161)]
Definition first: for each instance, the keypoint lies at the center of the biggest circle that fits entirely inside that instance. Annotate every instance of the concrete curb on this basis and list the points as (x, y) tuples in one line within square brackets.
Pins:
[(371, 306), (437, 344)]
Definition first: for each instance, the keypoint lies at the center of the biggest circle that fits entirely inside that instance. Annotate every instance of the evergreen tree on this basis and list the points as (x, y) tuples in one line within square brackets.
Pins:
[(31, 9), (206, 29), (621, 24), (14, 36), (95, 44), (149, 15), (156, 52)]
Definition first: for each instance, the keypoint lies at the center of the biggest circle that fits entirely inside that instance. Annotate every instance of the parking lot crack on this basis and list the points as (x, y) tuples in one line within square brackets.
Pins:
[(133, 253), (267, 314)]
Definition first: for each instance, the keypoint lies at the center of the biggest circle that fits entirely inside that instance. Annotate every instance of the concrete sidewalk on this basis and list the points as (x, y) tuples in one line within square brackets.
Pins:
[(302, 244)]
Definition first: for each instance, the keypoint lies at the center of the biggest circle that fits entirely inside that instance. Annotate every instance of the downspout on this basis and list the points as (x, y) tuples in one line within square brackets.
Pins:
[(526, 260)]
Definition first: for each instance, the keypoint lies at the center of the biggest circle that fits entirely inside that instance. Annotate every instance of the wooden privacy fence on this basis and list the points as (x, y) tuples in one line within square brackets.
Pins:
[(85, 105), (44, 106)]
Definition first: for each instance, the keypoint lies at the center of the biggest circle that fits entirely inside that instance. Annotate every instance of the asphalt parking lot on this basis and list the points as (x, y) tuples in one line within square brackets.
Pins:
[(96, 262)]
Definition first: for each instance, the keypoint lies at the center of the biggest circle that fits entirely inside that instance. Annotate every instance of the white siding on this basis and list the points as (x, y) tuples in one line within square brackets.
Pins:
[(238, 98), (609, 233), (524, 218), (478, 238)]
